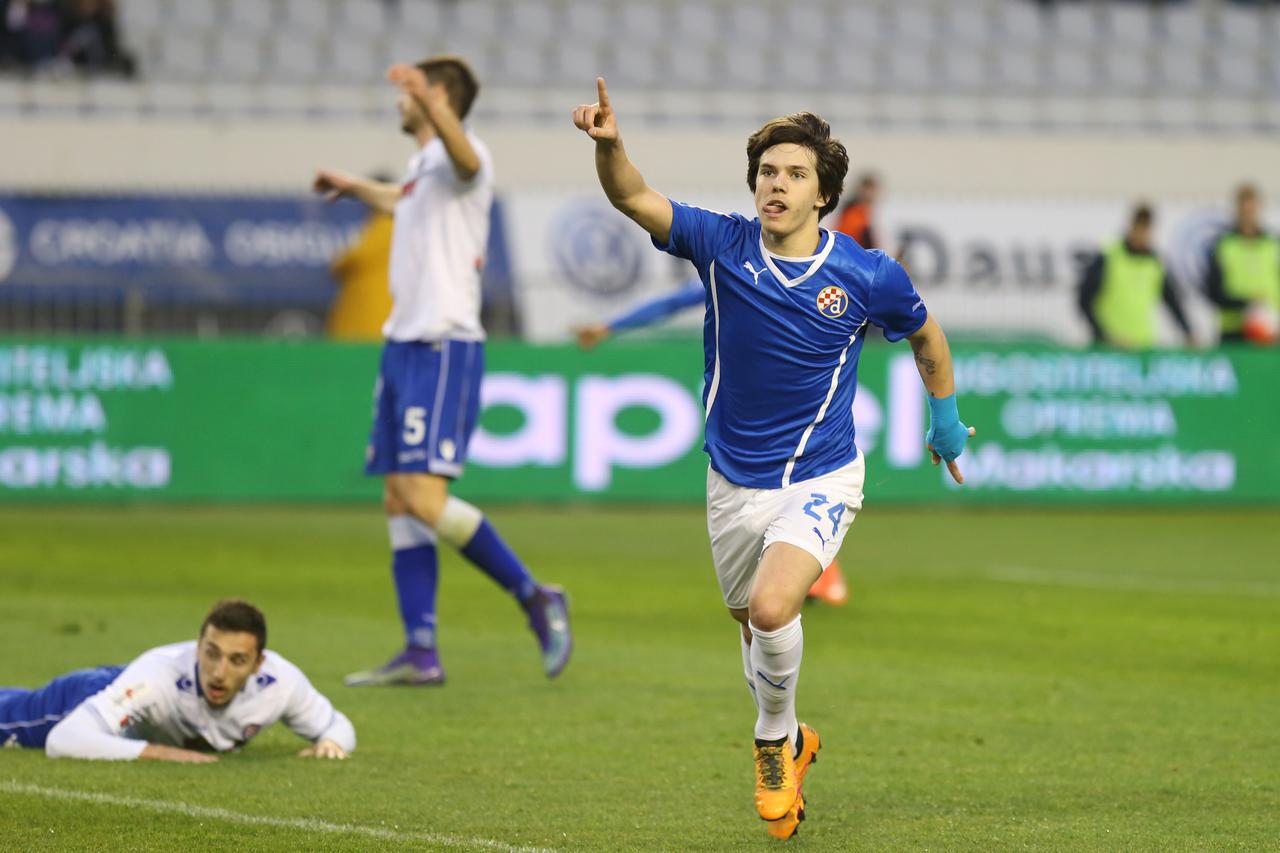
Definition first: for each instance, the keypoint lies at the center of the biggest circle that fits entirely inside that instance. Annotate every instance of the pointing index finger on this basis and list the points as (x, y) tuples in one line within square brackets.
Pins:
[(602, 93)]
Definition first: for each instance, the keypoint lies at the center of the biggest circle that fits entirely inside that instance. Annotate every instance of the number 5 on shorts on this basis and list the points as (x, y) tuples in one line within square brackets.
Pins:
[(415, 424)]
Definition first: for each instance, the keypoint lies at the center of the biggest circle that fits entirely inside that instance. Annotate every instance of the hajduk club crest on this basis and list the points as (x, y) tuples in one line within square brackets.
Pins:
[(832, 302)]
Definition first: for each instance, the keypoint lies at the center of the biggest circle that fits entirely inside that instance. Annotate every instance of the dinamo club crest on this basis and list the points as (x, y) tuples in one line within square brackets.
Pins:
[(832, 302)]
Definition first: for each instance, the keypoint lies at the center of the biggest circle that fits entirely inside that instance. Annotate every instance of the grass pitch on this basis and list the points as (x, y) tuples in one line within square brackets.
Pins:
[(1000, 680)]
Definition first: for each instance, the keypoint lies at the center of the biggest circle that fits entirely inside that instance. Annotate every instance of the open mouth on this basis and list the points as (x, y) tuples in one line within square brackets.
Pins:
[(773, 207)]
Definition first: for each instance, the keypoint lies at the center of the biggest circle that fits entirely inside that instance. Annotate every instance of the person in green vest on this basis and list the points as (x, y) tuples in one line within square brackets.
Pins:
[(1122, 286), (1244, 267)]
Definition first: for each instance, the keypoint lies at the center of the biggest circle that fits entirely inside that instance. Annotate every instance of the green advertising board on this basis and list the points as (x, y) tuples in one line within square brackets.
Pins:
[(232, 421)]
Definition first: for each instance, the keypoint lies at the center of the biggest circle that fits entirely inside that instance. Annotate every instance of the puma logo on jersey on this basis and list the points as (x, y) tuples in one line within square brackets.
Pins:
[(919, 304), (752, 270)]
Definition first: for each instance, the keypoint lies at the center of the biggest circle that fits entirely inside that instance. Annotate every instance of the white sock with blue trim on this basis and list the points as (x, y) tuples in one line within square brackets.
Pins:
[(775, 663)]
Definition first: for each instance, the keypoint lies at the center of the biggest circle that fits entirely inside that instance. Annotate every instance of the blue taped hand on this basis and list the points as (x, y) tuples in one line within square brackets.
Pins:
[(947, 435)]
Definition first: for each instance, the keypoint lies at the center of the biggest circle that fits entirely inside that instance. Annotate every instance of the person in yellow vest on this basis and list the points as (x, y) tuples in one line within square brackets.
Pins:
[(363, 301), (1244, 267), (1122, 286)]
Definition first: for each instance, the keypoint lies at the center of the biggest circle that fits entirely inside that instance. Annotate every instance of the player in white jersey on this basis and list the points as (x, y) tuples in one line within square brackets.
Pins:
[(180, 702), (427, 397), (787, 304)]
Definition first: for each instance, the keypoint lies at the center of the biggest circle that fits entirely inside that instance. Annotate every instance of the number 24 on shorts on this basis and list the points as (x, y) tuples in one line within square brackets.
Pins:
[(834, 514)]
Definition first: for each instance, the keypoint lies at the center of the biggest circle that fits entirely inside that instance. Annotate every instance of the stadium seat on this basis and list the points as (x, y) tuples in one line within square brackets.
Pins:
[(520, 64), (1071, 68), (533, 20), (969, 23), (963, 68), (410, 46), (742, 69), (1179, 69), (238, 56), (183, 57), (752, 23), (1237, 72), (252, 16), (1125, 71), (1075, 23), (1020, 23), (908, 68), (699, 20), (643, 21), (194, 16), (421, 17), (1242, 28), (632, 64), (856, 23), (1184, 24), (691, 64), (295, 58), (481, 20), (362, 18), (854, 68), (912, 20), (140, 18), (587, 20), (1017, 69), (353, 61), (307, 16), (802, 70), (1129, 24)]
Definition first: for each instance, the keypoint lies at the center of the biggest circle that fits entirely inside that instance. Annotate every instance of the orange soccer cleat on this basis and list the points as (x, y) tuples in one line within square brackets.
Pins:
[(830, 587), (777, 787), (788, 825)]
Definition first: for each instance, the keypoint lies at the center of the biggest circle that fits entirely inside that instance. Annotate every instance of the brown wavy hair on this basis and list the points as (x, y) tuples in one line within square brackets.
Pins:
[(808, 131)]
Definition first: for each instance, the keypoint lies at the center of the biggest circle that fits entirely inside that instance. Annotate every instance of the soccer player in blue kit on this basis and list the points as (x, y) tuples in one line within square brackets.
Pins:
[(786, 306), (427, 397)]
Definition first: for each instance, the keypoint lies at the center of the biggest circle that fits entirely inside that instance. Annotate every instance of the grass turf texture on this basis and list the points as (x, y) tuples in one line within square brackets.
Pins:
[(1000, 680)]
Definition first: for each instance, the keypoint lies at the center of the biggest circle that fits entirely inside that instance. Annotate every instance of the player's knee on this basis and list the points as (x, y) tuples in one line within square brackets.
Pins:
[(426, 504), (769, 615), (392, 503)]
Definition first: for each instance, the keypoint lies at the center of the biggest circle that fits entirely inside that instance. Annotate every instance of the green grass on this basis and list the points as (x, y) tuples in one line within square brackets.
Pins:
[(1000, 680)]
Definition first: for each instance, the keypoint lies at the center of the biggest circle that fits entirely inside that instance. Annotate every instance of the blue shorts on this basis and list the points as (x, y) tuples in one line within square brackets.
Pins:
[(26, 716), (425, 407)]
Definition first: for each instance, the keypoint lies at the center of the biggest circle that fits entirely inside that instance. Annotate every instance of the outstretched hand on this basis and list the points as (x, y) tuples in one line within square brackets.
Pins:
[(324, 749), (597, 120), (333, 184)]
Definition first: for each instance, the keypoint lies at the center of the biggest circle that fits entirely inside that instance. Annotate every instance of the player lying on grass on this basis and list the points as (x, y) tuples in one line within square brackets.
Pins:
[(788, 303), (830, 587), (179, 702), (427, 396)]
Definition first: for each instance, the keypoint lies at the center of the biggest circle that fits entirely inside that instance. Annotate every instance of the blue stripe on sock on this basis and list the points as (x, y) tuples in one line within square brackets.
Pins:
[(493, 557)]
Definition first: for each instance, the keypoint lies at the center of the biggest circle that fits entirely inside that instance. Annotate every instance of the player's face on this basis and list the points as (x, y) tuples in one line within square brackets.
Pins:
[(227, 659), (1140, 237), (412, 116), (787, 194), (1247, 212)]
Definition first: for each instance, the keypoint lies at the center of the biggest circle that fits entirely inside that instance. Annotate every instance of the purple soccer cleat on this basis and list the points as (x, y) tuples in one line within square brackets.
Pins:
[(548, 611), (413, 666)]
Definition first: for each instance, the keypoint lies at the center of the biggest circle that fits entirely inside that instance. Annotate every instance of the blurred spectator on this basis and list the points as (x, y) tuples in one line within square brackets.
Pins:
[(48, 35), (32, 33), (363, 271), (1121, 286), (857, 219), (1244, 267), (91, 41)]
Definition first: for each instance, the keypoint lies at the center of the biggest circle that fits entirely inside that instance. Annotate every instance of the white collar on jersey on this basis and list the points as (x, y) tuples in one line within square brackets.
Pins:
[(814, 265)]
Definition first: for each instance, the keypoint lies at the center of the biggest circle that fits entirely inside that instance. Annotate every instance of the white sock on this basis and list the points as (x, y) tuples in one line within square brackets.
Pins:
[(458, 522), (746, 667), (775, 663)]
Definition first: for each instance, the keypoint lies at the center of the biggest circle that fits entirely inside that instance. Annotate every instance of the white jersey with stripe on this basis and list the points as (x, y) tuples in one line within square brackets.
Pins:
[(157, 699), (438, 247), (782, 338)]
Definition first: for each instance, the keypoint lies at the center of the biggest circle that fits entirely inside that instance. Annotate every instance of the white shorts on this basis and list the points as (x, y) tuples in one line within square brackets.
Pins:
[(813, 515)]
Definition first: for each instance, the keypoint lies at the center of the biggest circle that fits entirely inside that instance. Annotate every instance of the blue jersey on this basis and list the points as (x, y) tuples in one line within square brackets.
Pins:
[(782, 338)]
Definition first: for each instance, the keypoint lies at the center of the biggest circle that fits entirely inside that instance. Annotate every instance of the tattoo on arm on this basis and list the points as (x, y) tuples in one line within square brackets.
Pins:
[(927, 364)]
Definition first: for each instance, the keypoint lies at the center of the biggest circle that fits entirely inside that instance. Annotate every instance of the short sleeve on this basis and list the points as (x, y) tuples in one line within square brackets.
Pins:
[(895, 305), (697, 234)]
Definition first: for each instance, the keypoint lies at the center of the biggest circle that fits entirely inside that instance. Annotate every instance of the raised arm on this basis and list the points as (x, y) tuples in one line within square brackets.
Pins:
[(334, 184), (435, 101), (947, 435), (311, 715), (620, 179)]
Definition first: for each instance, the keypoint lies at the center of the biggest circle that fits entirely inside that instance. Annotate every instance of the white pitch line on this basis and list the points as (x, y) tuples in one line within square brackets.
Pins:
[(450, 842), (1137, 583)]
